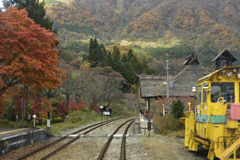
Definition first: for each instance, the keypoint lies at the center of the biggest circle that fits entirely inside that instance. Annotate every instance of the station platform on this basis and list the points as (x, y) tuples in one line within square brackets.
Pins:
[(14, 138), (6, 133), (144, 126), (141, 126)]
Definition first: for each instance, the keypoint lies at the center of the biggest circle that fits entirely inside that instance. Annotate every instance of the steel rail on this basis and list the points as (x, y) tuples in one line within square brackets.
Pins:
[(123, 145), (101, 156), (64, 137)]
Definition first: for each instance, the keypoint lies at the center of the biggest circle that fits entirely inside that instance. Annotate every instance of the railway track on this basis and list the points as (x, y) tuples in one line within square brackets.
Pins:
[(123, 148), (65, 138)]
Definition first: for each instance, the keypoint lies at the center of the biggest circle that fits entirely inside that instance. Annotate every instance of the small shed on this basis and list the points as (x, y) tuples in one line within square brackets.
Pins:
[(225, 58), (149, 87)]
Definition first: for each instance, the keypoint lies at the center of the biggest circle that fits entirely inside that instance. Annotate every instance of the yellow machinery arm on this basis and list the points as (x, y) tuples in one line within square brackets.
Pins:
[(230, 150)]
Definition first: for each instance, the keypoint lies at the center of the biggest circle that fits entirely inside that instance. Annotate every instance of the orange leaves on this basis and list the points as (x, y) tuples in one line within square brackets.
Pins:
[(42, 107), (30, 59), (47, 107), (76, 106), (3, 103)]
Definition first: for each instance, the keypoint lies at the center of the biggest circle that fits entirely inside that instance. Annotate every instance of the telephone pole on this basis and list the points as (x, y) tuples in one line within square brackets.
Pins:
[(167, 78), (167, 83)]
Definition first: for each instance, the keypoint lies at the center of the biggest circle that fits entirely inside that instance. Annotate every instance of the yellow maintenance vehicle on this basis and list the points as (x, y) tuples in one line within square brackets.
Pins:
[(214, 125)]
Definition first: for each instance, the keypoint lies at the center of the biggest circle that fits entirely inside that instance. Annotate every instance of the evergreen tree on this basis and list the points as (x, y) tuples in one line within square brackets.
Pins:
[(124, 58), (102, 55), (128, 73), (116, 53), (109, 59), (144, 64), (130, 55), (36, 11), (91, 53), (134, 63)]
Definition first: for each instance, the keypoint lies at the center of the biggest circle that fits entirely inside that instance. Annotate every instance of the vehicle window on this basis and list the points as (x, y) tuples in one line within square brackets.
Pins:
[(222, 89), (199, 93), (204, 96)]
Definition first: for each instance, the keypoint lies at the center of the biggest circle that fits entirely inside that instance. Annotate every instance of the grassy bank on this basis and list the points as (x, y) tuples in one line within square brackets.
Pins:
[(56, 128)]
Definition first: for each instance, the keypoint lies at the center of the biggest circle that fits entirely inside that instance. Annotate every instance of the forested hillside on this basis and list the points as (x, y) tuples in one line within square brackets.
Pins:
[(151, 27)]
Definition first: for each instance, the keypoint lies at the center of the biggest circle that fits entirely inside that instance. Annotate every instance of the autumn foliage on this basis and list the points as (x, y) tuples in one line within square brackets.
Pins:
[(18, 106), (61, 107), (91, 106), (3, 103), (76, 106), (30, 59), (37, 107), (42, 106)]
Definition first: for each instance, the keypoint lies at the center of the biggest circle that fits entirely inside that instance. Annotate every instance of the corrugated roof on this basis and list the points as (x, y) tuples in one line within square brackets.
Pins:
[(184, 81)]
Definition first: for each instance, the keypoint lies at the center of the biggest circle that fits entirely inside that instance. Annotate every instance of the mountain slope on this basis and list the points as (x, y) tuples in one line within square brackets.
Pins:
[(206, 26)]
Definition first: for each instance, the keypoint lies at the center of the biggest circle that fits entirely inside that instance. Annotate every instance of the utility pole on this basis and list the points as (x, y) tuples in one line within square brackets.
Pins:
[(167, 81), (167, 78)]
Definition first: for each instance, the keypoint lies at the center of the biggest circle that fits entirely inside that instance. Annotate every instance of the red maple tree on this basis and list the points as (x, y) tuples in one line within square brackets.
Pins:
[(18, 106), (61, 107), (30, 58), (3, 103), (76, 106), (37, 107)]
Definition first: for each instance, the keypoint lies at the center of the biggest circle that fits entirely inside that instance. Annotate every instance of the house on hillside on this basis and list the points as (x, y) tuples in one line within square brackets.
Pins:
[(185, 80)]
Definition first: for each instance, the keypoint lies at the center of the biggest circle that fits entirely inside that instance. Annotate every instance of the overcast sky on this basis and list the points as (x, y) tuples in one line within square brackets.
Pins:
[(1, 4)]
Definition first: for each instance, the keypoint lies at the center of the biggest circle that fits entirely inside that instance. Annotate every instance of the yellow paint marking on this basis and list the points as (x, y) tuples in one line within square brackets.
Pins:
[(13, 130)]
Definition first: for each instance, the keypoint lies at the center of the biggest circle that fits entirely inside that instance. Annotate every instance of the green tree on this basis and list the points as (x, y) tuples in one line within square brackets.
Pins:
[(124, 58), (92, 53), (116, 53), (177, 107), (130, 54), (109, 59), (144, 64), (128, 73), (102, 55), (136, 65), (36, 11)]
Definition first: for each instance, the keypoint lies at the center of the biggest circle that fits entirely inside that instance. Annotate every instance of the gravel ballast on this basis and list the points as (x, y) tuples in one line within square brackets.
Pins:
[(138, 147)]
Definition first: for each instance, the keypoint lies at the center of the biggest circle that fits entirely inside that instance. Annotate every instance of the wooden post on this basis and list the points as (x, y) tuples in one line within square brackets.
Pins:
[(149, 117)]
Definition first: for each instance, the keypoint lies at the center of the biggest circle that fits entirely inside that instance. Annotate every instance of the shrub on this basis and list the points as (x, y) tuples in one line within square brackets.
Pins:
[(40, 120), (44, 121), (55, 102), (59, 119), (55, 112), (62, 115), (61, 107), (167, 123), (177, 107), (52, 120), (75, 116), (37, 122)]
